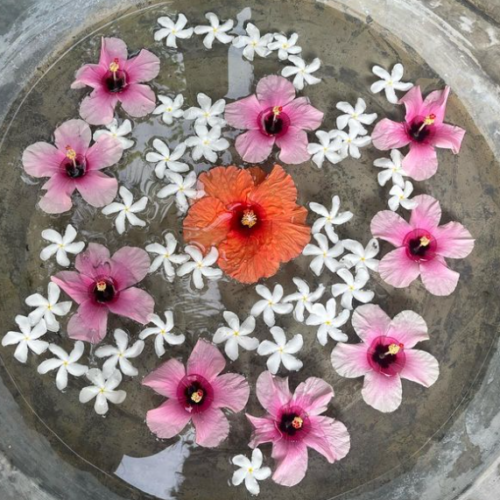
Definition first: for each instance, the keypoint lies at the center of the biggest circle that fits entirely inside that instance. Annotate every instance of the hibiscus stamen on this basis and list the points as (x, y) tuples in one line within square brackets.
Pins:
[(114, 67), (424, 242), (276, 112), (101, 286), (429, 120), (297, 423), (249, 218), (71, 154), (392, 350), (197, 396)]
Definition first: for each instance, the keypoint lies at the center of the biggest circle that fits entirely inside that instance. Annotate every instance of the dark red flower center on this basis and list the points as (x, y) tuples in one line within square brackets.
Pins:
[(115, 79), (421, 127), (420, 245), (104, 290), (247, 219), (273, 121), (386, 355), (74, 165), (195, 393), (293, 423)]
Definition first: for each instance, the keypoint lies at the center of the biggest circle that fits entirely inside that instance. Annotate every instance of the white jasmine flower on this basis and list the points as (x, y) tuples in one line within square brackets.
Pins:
[(361, 257), (170, 108), (281, 351), (352, 287), (126, 210), (330, 218), (285, 46), (355, 114), (236, 335), (329, 323), (390, 82), (103, 390), (207, 143), (304, 298), (165, 159), (171, 31), (393, 168), (163, 332), (400, 196), (302, 71), (207, 113), (253, 43), (64, 363), (61, 245), (166, 256), (200, 266), (215, 30), (182, 187), (328, 147), (323, 254), (27, 338), (352, 141), (271, 304), (118, 132), (250, 471)]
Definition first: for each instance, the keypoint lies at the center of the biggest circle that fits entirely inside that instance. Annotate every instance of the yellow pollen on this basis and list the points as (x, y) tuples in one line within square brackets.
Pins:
[(114, 66), (351, 287), (162, 331), (236, 334), (102, 390), (393, 349), (101, 286), (65, 363), (424, 241), (49, 307), (250, 470), (328, 323), (70, 153), (430, 119), (277, 110), (297, 423), (197, 396), (169, 109), (249, 218)]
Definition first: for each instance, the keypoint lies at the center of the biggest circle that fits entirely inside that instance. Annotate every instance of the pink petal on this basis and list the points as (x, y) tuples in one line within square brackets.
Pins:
[(350, 360), (389, 135), (230, 391), (291, 462), (293, 146), (129, 266), (142, 68), (75, 134), (89, 75), (272, 392), (453, 240), (105, 152), (383, 393), (89, 323), (264, 431), (427, 214), (413, 103), (313, 395), (205, 360), (397, 269), (112, 48), (133, 303), (167, 420), (420, 367), (92, 260), (275, 90), (166, 378), (98, 108), (448, 137), (438, 278), (421, 162), (409, 328), (302, 114), (435, 103), (97, 189), (212, 427), (42, 159), (390, 227), (57, 199), (369, 322), (74, 284), (138, 100), (244, 113), (253, 146), (328, 437)]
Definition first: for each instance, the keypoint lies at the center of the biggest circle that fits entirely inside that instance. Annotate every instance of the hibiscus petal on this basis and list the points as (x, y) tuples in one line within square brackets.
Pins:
[(129, 265), (328, 437), (420, 367), (105, 152), (370, 321), (143, 67), (351, 360), (435, 103), (293, 145), (427, 214), (89, 323), (112, 48), (212, 427), (138, 100), (421, 162), (389, 135), (302, 114), (390, 227), (264, 430), (413, 103), (244, 113), (73, 133), (74, 284), (133, 303), (98, 108), (381, 392), (253, 146), (230, 391), (165, 379), (168, 420), (409, 328), (97, 189), (448, 137), (42, 159), (57, 199), (205, 360), (397, 269), (453, 241), (438, 278), (274, 90), (313, 395), (272, 392), (291, 462)]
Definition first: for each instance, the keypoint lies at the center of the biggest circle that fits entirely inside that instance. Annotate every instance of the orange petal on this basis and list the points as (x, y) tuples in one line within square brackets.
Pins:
[(257, 174), (228, 184)]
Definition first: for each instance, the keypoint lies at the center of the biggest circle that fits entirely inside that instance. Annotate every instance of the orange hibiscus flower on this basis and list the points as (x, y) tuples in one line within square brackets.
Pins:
[(252, 219)]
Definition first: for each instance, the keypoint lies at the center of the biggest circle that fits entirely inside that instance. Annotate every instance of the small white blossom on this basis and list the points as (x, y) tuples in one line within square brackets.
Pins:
[(303, 298), (166, 256), (103, 390), (355, 114), (393, 168), (390, 82), (303, 72), (250, 471), (61, 245), (281, 351), (170, 108), (118, 132), (126, 210), (27, 338), (207, 143), (64, 363), (323, 254), (215, 31), (401, 196), (351, 141), (253, 43), (182, 187), (200, 266), (285, 46), (165, 159), (328, 147), (361, 257), (352, 287), (330, 218), (329, 323), (171, 31), (236, 335), (270, 304), (163, 332), (207, 113)]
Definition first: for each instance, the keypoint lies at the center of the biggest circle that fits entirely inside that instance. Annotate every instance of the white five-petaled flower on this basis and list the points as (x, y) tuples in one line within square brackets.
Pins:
[(171, 31), (303, 72), (118, 132), (329, 218), (329, 323), (120, 355), (170, 108), (281, 351), (303, 298), (253, 43), (351, 141), (393, 168), (328, 147), (103, 390), (270, 304), (236, 335), (285, 46), (250, 471), (165, 159), (359, 256), (200, 266), (390, 82), (352, 287), (163, 332), (400, 195), (126, 210), (215, 30), (27, 338), (207, 113), (355, 114), (166, 256), (64, 363), (206, 143), (323, 254), (182, 187), (61, 245)]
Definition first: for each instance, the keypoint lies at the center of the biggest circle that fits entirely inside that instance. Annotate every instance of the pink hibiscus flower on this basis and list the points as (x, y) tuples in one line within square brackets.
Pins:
[(386, 355), (117, 79), (294, 423), (103, 284), (71, 164), (271, 116), (422, 246), (423, 129), (196, 393)]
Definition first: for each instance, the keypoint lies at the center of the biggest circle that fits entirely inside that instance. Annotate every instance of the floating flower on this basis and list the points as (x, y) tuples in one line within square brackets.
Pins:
[(61, 245), (27, 339), (200, 266), (207, 113), (400, 195), (423, 130), (163, 332), (355, 115), (328, 321), (390, 82), (294, 423), (236, 335), (71, 164), (207, 143), (196, 393), (253, 43), (215, 31), (351, 142), (272, 116), (250, 471), (103, 390), (359, 256), (165, 159), (303, 298), (353, 287), (117, 132), (252, 219), (48, 308), (323, 254), (117, 79), (170, 108), (103, 284), (281, 351), (330, 218), (166, 256), (285, 46), (303, 72), (126, 210), (182, 187), (393, 168), (422, 246), (386, 355), (64, 363), (328, 147), (171, 31), (270, 305)]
